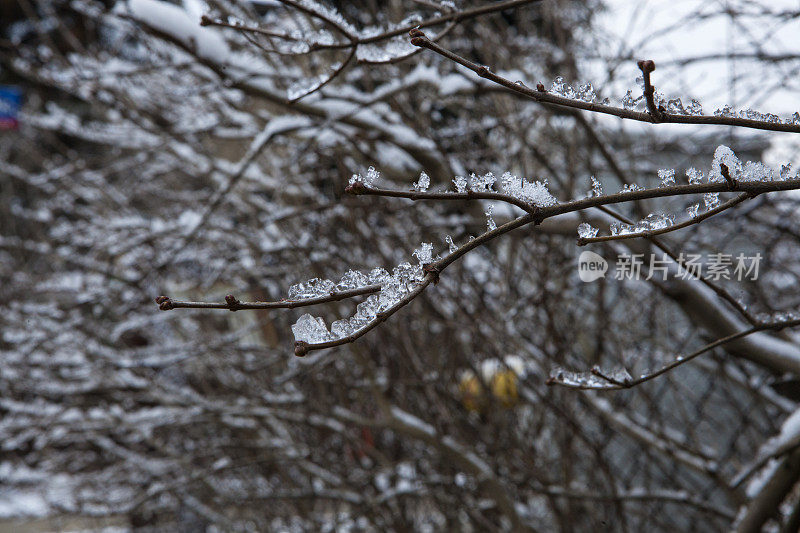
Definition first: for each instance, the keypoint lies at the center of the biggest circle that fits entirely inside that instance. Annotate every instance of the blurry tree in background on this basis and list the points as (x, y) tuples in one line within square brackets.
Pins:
[(158, 156)]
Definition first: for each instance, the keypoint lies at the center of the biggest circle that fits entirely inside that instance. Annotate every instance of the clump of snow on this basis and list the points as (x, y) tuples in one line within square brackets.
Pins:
[(173, 20)]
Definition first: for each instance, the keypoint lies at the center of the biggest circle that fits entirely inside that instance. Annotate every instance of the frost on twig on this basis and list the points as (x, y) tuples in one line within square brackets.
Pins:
[(725, 167), (394, 286)]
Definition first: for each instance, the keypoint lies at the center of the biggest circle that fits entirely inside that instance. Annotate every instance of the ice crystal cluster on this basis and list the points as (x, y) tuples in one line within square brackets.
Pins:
[(423, 183), (394, 287), (667, 176), (532, 192), (369, 177), (586, 231), (584, 92), (751, 114), (652, 222)]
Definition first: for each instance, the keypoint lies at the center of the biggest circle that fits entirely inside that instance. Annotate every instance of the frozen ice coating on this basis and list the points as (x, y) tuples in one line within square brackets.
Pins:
[(312, 288), (586, 93), (423, 183), (711, 200), (628, 101), (694, 176), (352, 279), (378, 275), (632, 187), (654, 222), (424, 253), (393, 288), (451, 246), (481, 183), (535, 192), (667, 177), (369, 177), (597, 187), (586, 231), (724, 156), (461, 184), (311, 330), (692, 210), (490, 223)]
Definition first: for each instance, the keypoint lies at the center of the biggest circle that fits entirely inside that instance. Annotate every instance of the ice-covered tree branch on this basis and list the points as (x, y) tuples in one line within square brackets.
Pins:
[(655, 116)]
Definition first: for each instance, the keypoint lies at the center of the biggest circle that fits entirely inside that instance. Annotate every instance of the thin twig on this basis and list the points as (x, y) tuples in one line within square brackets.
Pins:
[(358, 188), (648, 66), (166, 303), (679, 360)]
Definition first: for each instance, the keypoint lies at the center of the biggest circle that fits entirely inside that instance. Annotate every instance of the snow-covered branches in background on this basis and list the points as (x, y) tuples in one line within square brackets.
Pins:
[(304, 168)]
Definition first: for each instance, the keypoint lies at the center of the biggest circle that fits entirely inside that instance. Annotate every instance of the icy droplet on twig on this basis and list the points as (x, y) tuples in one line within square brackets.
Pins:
[(586, 93), (726, 111), (378, 276), (586, 231), (597, 187), (695, 108), (667, 176), (628, 102), (632, 187), (620, 228), (423, 183), (490, 223), (786, 172), (655, 222), (352, 279), (369, 177), (311, 330), (557, 87), (312, 288), (424, 253), (675, 107), (481, 183), (451, 246), (342, 328)]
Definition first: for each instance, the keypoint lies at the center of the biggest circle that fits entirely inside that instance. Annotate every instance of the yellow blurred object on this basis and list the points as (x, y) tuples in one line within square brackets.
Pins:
[(502, 377), (471, 392), (504, 387)]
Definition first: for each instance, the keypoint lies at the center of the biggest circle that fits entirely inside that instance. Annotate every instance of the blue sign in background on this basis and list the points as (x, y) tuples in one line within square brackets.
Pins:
[(10, 103)]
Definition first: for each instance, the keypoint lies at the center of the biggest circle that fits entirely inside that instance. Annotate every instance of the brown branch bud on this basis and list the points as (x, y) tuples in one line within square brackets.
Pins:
[(300, 348), (540, 88), (233, 303), (418, 37), (164, 303), (356, 188), (726, 173)]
